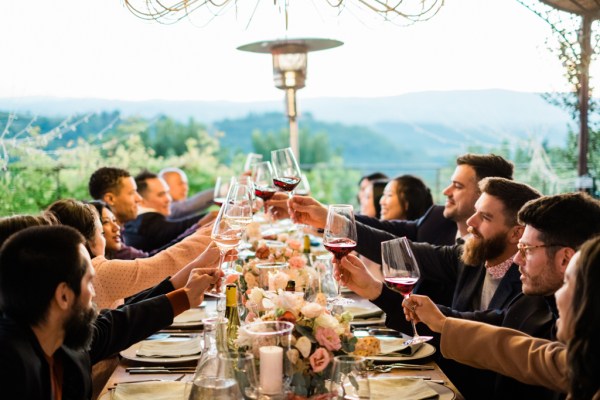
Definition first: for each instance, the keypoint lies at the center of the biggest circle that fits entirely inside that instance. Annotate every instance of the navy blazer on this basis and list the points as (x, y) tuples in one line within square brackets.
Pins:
[(25, 371), (152, 231)]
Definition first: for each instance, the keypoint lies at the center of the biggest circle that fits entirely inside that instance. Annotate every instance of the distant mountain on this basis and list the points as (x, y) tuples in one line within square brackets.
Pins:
[(429, 127)]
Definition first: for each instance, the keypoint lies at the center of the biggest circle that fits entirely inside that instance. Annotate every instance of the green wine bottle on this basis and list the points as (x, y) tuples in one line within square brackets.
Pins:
[(232, 315)]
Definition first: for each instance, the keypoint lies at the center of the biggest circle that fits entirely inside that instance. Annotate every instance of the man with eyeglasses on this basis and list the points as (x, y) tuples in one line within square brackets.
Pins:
[(554, 228)]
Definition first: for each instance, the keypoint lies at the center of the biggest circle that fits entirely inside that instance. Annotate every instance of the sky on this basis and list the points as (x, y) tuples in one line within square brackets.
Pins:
[(99, 49)]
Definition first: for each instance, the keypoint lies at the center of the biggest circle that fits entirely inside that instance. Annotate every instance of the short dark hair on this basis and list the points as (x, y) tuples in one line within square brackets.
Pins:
[(415, 193), (141, 180), (33, 262), (76, 214), (487, 165), (104, 180), (15, 223), (373, 176), (512, 194), (568, 219), (378, 187)]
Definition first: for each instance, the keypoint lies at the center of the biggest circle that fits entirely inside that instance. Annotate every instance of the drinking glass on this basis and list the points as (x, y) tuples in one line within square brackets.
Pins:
[(263, 180), (287, 172), (224, 385), (401, 273), (339, 237), (251, 159), (349, 378), (222, 186), (244, 371), (303, 188)]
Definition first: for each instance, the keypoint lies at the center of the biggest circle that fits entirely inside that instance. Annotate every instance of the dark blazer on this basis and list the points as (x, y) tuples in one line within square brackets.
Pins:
[(432, 228), (152, 230), (25, 371)]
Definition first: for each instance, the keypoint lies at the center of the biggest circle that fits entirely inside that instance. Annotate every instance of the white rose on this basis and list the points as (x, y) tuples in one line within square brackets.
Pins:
[(289, 301), (256, 295), (293, 355), (326, 321), (312, 310)]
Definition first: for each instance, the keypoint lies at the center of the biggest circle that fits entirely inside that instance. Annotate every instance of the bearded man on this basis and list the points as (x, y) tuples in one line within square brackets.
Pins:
[(481, 270)]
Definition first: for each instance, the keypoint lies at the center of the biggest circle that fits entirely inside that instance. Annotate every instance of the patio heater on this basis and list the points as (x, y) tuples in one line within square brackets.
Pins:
[(289, 71)]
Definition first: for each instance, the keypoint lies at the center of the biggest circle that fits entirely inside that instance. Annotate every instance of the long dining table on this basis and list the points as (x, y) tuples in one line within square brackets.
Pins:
[(183, 371)]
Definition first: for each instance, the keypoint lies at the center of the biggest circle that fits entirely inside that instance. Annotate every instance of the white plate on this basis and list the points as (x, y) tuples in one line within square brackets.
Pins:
[(131, 354), (192, 317), (147, 390), (425, 351), (444, 393), (359, 311)]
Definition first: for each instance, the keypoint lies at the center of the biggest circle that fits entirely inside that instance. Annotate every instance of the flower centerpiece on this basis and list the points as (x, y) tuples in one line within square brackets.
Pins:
[(318, 336)]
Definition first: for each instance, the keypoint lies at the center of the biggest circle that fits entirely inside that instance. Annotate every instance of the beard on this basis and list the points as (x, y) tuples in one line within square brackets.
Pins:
[(79, 327), (477, 250)]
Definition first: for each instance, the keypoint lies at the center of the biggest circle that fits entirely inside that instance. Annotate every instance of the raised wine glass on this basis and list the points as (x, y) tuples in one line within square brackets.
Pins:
[(251, 159), (401, 273), (287, 173), (339, 237), (303, 188), (222, 186)]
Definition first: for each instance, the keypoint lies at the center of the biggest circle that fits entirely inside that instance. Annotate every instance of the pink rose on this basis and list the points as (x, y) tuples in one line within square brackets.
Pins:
[(297, 262), (319, 359), (294, 244), (328, 338), (250, 317)]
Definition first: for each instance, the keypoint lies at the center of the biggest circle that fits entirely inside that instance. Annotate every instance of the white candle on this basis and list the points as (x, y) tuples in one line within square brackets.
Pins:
[(271, 369)]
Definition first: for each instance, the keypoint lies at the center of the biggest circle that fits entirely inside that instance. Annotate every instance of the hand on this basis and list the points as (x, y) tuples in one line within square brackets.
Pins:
[(355, 275), (308, 211), (208, 218), (209, 259), (199, 281), (422, 309), (277, 206)]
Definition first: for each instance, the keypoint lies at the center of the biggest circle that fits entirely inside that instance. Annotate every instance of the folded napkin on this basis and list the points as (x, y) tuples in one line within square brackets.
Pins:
[(191, 315), (396, 345), (362, 312), (400, 388), (160, 390), (170, 347)]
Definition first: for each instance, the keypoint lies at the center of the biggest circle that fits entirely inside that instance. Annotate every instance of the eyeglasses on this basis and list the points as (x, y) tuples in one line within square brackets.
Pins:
[(524, 249)]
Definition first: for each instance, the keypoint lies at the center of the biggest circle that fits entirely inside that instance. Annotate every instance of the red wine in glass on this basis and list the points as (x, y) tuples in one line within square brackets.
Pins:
[(286, 183), (340, 247), (264, 193), (403, 285), (219, 201)]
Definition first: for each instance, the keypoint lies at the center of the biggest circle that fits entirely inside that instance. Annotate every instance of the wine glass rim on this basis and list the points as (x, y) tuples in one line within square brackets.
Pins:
[(341, 205), (400, 239), (286, 328)]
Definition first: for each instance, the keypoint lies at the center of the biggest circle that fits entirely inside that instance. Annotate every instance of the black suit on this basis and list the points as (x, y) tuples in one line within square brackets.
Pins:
[(432, 228), (151, 231), (508, 308), (25, 372)]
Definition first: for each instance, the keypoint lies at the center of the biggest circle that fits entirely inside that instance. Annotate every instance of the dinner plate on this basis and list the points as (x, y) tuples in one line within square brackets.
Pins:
[(191, 318), (359, 311), (379, 320), (426, 350), (443, 392), (131, 354)]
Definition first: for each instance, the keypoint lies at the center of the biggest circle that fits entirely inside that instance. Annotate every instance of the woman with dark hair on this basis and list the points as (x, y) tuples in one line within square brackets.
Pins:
[(571, 365), (371, 206), (363, 183), (118, 279), (16, 223), (115, 248), (405, 197)]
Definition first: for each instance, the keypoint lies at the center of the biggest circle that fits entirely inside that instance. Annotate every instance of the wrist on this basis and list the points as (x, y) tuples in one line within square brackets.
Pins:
[(375, 290)]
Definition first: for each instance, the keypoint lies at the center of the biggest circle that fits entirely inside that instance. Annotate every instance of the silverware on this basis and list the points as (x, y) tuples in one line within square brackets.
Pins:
[(389, 367), (154, 367), (162, 371)]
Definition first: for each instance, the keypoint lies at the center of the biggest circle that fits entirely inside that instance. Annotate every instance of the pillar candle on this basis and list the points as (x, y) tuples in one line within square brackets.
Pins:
[(271, 369)]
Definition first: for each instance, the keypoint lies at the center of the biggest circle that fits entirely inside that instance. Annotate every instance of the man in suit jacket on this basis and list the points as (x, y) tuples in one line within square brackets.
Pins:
[(481, 271), (50, 331), (151, 230)]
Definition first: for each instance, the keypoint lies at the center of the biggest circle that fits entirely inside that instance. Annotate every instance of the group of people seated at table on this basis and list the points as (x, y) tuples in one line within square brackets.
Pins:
[(507, 283)]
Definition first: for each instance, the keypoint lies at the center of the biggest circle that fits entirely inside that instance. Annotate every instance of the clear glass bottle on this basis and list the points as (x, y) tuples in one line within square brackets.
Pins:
[(215, 342)]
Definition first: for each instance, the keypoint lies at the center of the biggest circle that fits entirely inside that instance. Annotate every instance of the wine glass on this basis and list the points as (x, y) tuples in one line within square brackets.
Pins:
[(303, 188), (287, 172), (263, 181), (339, 237), (222, 186), (401, 273), (349, 378), (251, 159)]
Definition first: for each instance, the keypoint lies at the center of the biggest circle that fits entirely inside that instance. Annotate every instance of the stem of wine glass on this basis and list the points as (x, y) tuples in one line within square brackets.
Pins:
[(339, 285), (221, 261), (412, 321)]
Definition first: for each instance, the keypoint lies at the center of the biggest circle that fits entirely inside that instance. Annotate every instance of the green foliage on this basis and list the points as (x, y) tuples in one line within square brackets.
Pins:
[(315, 148)]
